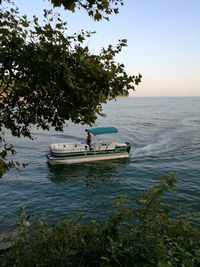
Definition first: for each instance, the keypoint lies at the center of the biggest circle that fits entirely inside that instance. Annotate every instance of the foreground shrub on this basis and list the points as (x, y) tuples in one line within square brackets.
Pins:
[(139, 232)]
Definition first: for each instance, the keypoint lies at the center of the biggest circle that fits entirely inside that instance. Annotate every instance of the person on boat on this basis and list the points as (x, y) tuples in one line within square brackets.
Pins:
[(89, 139)]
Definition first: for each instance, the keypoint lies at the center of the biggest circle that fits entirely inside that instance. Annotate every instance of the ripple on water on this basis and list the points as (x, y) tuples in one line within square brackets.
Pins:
[(164, 138)]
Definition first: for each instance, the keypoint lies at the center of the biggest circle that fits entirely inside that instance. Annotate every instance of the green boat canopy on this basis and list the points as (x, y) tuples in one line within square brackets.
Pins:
[(102, 130)]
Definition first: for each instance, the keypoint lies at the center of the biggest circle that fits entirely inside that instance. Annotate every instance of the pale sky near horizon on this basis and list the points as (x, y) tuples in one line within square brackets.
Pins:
[(163, 41)]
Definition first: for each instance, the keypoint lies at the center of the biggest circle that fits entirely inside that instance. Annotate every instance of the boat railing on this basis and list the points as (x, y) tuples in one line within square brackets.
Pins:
[(99, 147)]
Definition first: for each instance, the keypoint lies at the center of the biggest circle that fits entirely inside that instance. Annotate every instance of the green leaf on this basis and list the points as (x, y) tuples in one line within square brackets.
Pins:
[(25, 23)]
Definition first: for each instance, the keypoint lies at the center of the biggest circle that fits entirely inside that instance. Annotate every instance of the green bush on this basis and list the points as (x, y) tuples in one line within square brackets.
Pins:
[(140, 232)]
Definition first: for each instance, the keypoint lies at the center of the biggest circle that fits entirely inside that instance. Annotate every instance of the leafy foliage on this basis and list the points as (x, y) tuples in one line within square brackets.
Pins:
[(48, 77), (97, 9), (139, 232)]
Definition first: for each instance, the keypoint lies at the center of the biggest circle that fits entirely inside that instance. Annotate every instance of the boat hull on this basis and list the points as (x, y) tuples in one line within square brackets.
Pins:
[(52, 160), (71, 153)]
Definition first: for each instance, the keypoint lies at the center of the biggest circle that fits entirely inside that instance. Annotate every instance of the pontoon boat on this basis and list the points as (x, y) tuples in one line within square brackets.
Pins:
[(70, 153)]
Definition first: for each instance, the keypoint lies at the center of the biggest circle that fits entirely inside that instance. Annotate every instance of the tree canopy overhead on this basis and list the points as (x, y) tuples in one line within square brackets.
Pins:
[(48, 76), (97, 9)]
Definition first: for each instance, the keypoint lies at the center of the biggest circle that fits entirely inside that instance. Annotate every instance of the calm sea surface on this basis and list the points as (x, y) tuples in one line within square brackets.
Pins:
[(165, 137)]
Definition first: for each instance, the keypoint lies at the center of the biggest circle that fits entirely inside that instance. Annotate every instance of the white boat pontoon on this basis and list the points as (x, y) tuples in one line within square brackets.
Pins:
[(70, 153)]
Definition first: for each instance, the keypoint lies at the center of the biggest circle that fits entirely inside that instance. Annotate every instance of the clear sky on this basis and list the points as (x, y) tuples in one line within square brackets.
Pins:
[(163, 41)]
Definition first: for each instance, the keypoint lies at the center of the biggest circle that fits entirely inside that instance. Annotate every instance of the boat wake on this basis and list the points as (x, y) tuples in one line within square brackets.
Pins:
[(156, 148)]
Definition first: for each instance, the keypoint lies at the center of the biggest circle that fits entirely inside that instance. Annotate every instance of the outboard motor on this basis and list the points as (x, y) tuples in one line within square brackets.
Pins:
[(128, 147)]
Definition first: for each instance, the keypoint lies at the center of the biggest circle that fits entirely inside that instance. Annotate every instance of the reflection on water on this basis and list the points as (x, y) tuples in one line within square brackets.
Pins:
[(93, 174)]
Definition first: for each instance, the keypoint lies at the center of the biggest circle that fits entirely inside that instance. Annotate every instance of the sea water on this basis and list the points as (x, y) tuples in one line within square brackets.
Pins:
[(164, 134)]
